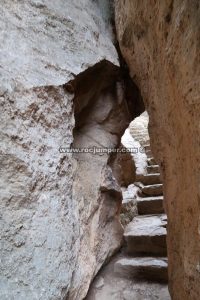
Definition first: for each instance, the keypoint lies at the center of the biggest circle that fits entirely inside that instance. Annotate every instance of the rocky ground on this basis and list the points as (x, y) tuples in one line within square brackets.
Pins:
[(109, 285)]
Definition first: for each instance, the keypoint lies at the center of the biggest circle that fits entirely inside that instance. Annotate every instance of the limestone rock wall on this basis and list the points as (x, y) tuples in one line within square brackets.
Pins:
[(38, 215), (160, 42), (44, 44)]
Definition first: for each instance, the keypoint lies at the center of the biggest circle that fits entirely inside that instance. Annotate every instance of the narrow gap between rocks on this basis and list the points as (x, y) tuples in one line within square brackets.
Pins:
[(119, 194)]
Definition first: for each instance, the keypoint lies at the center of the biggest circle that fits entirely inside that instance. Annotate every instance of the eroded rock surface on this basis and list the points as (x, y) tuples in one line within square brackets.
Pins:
[(38, 214), (119, 280), (129, 204), (44, 44), (141, 263), (101, 117), (160, 42), (58, 60)]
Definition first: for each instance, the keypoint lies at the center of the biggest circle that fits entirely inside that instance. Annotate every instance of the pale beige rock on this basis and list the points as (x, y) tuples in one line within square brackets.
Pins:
[(160, 42)]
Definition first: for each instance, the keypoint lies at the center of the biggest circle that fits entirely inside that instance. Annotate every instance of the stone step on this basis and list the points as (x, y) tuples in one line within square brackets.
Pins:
[(144, 133), (150, 205), (147, 147), (148, 153), (151, 161), (136, 131), (150, 268), (152, 190), (147, 234), (150, 179), (144, 142), (139, 135), (141, 139), (153, 169)]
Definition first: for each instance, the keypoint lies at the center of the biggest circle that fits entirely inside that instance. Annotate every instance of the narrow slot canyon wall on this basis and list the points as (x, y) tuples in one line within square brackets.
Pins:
[(160, 41), (58, 212)]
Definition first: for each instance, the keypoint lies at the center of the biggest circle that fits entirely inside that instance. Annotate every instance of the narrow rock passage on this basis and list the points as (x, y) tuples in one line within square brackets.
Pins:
[(139, 271), (145, 236)]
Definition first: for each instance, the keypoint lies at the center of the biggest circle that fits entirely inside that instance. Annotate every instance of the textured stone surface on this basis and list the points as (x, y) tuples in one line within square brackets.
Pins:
[(160, 42), (118, 286), (38, 214), (152, 169), (147, 234), (151, 179), (143, 235), (151, 268), (152, 190), (44, 44), (102, 113), (129, 204), (60, 213), (150, 205), (100, 122), (124, 168)]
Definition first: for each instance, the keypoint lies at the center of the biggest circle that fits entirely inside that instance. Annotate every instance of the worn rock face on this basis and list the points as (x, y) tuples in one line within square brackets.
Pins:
[(38, 214), (60, 85), (101, 117), (44, 44), (124, 168), (160, 42), (129, 204)]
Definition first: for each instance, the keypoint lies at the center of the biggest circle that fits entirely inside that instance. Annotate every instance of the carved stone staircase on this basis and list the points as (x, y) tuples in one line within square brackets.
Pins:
[(139, 271), (145, 236)]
